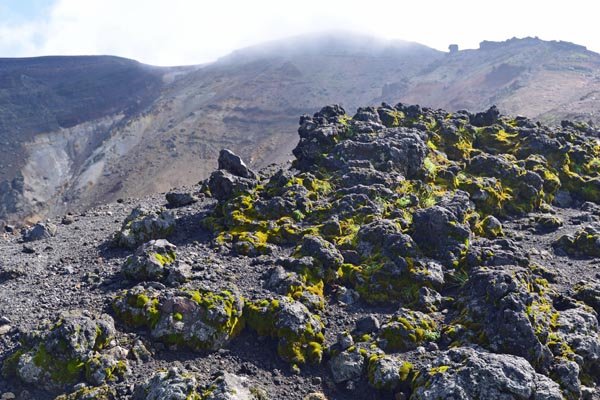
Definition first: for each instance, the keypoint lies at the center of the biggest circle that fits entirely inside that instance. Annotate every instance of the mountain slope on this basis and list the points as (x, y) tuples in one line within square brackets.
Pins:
[(540, 79), (147, 129)]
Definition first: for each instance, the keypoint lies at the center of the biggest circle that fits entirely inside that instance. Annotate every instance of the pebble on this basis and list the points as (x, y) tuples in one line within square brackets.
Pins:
[(4, 329)]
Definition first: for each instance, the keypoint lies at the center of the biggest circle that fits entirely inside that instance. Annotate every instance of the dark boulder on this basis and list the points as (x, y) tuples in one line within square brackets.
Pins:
[(233, 164)]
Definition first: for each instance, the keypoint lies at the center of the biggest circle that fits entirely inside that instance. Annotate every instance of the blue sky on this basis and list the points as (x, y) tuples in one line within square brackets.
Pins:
[(14, 11), (177, 32)]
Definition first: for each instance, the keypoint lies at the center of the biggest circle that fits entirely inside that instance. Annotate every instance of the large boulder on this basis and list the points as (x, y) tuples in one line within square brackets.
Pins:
[(298, 331), (77, 348), (172, 384), (150, 262), (233, 164), (198, 319), (224, 185), (470, 374), (40, 231), (440, 233), (509, 313), (144, 224), (400, 149)]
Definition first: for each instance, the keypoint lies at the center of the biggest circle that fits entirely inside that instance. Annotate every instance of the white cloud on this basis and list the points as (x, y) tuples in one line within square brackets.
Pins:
[(173, 32)]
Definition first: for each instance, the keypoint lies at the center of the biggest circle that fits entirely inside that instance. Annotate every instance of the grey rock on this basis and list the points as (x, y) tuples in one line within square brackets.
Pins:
[(367, 324), (232, 387), (498, 301), (40, 231), (397, 149), (347, 365), (4, 329), (145, 224), (86, 344), (589, 293), (233, 164), (207, 324), (67, 220), (440, 233), (347, 296), (566, 373), (178, 272), (140, 352), (578, 327), (345, 340), (563, 199), (498, 376), (167, 385), (180, 199), (281, 281), (224, 185), (150, 261), (485, 118), (327, 255), (387, 372)]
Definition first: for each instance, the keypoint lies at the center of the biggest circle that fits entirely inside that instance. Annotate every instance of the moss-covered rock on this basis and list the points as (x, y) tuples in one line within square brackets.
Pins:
[(407, 330), (387, 372), (198, 319), (298, 331), (489, 227), (76, 348), (150, 262)]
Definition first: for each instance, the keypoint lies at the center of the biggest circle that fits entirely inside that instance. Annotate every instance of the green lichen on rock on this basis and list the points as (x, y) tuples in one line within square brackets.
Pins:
[(388, 372), (137, 307), (194, 318), (499, 376), (77, 348), (489, 227), (585, 242), (407, 330), (298, 331), (150, 261)]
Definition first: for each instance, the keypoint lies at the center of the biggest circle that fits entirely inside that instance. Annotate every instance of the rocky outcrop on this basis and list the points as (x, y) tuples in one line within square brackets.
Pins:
[(405, 253)]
